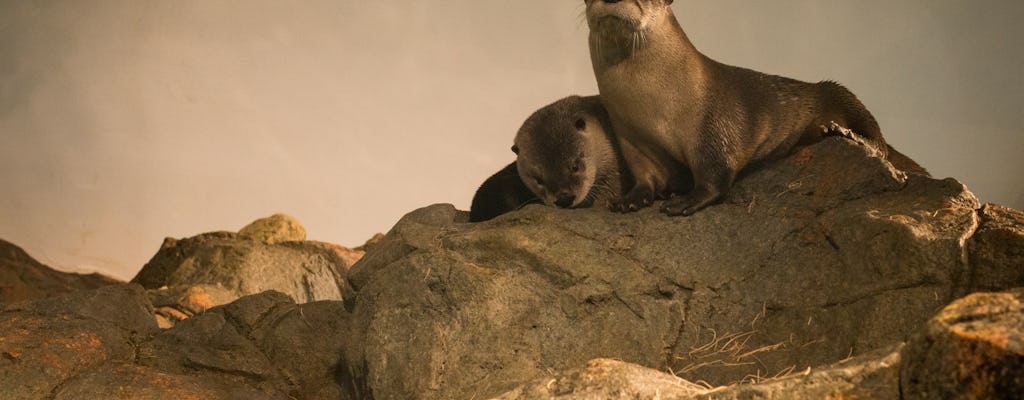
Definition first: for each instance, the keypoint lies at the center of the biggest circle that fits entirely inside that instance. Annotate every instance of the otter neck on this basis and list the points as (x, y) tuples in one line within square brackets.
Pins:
[(664, 38)]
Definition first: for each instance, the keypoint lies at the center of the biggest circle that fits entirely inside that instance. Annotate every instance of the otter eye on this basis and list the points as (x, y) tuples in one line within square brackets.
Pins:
[(581, 124), (538, 181), (577, 165)]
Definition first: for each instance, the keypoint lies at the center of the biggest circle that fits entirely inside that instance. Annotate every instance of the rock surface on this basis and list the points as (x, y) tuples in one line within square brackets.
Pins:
[(103, 343), (997, 250), (223, 266), (973, 349), (826, 254), (44, 343), (872, 376), (277, 228), (23, 278)]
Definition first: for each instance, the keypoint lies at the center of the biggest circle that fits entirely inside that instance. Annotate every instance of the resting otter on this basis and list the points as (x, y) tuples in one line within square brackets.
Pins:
[(566, 157), (679, 115)]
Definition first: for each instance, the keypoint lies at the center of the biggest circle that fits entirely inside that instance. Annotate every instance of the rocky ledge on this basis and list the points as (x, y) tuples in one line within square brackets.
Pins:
[(823, 275)]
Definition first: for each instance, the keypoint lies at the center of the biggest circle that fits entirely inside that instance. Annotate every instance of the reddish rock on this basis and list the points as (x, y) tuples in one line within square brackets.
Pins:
[(973, 349)]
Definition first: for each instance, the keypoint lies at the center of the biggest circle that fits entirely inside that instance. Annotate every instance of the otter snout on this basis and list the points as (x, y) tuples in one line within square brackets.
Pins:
[(565, 200)]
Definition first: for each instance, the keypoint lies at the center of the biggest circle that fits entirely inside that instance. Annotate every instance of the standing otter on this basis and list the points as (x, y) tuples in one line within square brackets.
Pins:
[(566, 157), (679, 114)]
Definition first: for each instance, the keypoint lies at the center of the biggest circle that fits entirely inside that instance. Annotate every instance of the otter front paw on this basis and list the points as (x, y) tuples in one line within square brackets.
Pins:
[(689, 204), (633, 201)]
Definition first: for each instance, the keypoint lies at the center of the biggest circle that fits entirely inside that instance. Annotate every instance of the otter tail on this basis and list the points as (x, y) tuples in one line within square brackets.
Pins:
[(841, 106), (501, 193), (905, 164)]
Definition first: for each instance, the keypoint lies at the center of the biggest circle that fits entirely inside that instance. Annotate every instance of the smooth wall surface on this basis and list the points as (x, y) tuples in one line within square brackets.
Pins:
[(125, 121)]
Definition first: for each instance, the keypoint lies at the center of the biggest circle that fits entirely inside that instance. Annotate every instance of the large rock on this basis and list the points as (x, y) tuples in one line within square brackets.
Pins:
[(973, 349), (45, 342), (826, 254), (23, 278)]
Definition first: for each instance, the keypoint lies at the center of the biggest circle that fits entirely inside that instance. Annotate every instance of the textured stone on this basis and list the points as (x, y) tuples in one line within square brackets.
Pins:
[(997, 250), (973, 349), (45, 342), (306, 271), (23, 278), (825, 254), (277, 228)]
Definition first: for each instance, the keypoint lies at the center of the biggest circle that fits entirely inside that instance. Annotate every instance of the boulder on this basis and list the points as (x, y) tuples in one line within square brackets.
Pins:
[(23, 278), (973, 349), (218, 267), (44, 343), (827, 254)]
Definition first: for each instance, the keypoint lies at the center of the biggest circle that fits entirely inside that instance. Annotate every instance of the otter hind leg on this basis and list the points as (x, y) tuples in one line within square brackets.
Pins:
[(711, 183)]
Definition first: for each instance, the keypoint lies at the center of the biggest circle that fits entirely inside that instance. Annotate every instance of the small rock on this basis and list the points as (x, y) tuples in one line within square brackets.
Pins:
[(275, 229), (973, 349)]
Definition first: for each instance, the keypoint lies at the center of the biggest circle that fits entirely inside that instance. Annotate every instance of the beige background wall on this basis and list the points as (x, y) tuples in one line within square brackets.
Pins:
[(125, 121)]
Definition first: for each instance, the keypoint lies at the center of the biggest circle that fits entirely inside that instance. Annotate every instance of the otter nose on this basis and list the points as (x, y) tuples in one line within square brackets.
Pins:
[(565, 201)]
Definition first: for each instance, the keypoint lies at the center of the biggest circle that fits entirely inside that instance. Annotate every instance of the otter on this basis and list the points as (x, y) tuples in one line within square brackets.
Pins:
[(566, 157), (688, 124)]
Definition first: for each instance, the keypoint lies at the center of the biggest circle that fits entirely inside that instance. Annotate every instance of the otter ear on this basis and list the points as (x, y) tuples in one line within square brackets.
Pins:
[(515, 149), (580, 124)]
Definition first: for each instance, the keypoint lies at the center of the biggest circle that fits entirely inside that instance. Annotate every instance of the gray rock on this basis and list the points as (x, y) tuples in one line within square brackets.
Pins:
[(306, 271), (826, 254)]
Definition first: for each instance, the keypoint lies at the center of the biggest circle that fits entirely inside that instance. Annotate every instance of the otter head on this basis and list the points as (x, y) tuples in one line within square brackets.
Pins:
[(624, 18), (555, 152)]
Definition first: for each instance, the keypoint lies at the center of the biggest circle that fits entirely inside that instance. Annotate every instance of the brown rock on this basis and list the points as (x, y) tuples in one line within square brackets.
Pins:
[(23, 278), (45, 342), (973, 349), (997, 250)]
